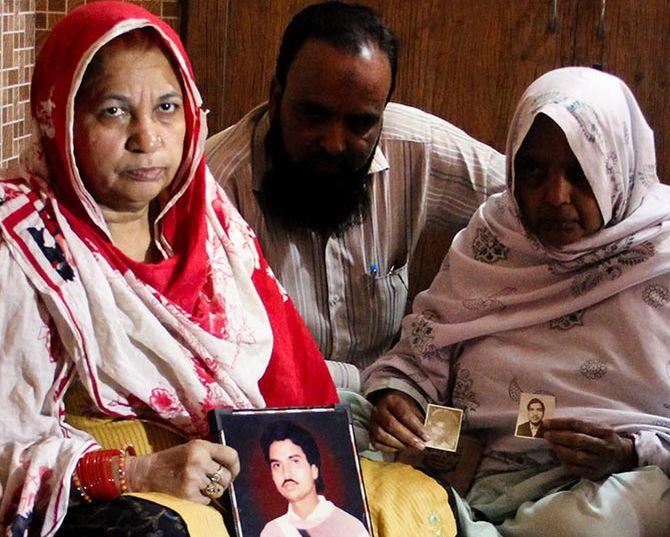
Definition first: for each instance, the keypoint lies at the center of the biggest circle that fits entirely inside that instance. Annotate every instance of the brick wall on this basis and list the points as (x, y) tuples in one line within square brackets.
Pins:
[(24, 24), (17, 56)]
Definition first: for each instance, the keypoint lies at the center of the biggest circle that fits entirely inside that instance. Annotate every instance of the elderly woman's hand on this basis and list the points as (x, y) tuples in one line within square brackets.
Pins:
[(589, 449), (397, 423), (183, 471)]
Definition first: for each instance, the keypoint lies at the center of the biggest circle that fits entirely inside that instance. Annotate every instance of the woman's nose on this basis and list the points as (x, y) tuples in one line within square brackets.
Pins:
[(558, 188), (144, 137)]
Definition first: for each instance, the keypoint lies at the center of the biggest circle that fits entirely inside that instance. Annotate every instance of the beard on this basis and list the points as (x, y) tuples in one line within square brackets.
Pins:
[(302, 198)]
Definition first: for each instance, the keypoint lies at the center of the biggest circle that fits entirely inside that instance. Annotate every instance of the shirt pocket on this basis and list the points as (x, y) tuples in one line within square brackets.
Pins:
[(389, 295)]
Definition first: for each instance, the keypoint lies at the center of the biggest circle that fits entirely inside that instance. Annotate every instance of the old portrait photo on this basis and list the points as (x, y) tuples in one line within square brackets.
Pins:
[(534, 408), (444, 426)]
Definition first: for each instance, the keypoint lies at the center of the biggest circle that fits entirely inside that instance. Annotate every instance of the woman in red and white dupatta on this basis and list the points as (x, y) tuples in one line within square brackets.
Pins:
[(202, 324)]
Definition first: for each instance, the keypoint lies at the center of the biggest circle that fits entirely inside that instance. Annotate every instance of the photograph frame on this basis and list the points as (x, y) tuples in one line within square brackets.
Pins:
[(331, 428)]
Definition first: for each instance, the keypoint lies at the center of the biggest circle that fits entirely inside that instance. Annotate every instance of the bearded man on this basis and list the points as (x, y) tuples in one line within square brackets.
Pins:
[(338, 183)]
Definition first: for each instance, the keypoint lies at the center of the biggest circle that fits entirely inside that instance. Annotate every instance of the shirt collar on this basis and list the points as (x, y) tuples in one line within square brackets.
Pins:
[(322, 511), (260, 158)]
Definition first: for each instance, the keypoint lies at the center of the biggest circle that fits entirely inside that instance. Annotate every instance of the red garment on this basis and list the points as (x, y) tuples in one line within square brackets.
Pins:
[(296, 374)]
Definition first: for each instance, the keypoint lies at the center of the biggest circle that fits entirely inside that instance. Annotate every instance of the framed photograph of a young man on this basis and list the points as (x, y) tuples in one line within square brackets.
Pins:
[(299, 472)]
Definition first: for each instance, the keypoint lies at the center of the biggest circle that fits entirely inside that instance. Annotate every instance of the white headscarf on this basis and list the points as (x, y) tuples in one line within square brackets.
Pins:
[(520, 282)]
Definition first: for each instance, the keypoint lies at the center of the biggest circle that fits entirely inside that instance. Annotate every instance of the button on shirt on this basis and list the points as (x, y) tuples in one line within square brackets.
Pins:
[(352, 290)]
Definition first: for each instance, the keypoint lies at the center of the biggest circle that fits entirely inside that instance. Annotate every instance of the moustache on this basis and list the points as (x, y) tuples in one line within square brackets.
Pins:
[(289, 481)]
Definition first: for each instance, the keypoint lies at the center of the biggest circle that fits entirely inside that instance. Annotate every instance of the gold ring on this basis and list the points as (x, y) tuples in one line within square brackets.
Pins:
[(213, 490), (216, 476)]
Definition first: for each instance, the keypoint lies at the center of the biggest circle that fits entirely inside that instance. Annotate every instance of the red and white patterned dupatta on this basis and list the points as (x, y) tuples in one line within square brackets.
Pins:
[(206, 327)]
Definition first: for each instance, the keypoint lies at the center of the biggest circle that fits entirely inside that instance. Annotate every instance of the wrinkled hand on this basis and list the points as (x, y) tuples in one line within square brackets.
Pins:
[(397, 423), (182, 471), (589, 449)]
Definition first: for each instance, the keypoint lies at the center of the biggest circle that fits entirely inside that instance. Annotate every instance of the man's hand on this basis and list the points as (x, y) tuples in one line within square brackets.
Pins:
[(588, 449), (397, 423), (182, 471)]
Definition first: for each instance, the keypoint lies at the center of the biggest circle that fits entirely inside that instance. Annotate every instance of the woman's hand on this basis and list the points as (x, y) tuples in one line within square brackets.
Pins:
[(182, 471), (588, 449), (397, 423)]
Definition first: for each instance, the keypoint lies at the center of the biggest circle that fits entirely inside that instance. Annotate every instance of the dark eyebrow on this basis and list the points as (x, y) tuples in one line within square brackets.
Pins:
[(366, 116), (313, 105)]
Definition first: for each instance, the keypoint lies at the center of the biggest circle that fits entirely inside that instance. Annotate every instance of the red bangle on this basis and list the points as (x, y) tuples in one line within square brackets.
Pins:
[(95, 476)]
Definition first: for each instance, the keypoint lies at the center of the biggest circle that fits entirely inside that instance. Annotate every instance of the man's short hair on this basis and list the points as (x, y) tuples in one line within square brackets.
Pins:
[(344, 26), (277, 431), (533, 401)]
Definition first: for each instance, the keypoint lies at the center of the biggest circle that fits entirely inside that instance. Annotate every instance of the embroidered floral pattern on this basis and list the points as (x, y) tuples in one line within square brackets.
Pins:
[(488, 304), (656, 295), (165, 402), (487, 248), (463, 395), (581, 111), (607, 263), (127, 515), (53, 252), (586, 118), (593, 369), (566, 322), (514, 390), (422, 336)]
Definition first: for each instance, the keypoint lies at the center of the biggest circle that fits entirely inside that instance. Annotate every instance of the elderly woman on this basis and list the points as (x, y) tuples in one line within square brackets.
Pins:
[(134, 298), (561, 286)]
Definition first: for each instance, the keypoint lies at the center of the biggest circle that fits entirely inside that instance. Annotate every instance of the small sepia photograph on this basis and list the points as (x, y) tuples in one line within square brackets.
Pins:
[(444, 426), (299, 472), (534, 408)]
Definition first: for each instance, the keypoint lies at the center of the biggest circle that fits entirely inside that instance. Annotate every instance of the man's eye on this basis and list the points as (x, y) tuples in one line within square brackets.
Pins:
[(312, 115), (361, 125)]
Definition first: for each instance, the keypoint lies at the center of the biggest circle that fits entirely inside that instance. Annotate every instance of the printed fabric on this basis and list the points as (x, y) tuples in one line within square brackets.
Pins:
[(426, 174), (208, 326), (587, 323)]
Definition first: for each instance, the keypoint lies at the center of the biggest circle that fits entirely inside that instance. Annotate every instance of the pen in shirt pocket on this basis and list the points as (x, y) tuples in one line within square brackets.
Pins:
[(374, 270)]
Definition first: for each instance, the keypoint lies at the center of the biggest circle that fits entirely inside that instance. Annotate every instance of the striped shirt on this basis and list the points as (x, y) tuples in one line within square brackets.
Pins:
[(352, 290)]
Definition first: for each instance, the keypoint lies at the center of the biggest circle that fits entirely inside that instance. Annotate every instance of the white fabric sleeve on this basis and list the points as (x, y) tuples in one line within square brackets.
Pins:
[(653, 447), (38, 452), (425, 379)]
